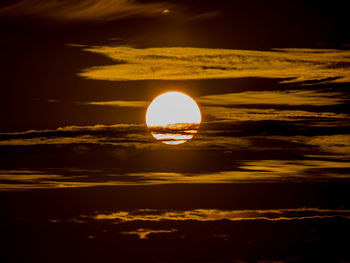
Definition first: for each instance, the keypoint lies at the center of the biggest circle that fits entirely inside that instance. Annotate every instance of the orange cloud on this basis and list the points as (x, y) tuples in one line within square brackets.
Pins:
[(291, 97), (232, 215), (119, 103), (247, 114), (183, 63)]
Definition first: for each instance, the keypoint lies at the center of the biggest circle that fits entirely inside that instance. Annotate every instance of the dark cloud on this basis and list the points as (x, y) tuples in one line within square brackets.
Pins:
[(86, 10)]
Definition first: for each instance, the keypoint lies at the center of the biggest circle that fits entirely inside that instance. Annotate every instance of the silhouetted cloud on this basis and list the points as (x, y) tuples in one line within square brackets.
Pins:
[(85, 10), (118, 134), (184, 63), (47, 179), (143, 233), (310, 170)]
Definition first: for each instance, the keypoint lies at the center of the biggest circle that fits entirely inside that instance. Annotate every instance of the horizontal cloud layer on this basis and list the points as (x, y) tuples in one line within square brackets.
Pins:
[(292, 97), (183, 63), (232, 215), (120, 103), (222, 106), (245, 172), (118, 134)]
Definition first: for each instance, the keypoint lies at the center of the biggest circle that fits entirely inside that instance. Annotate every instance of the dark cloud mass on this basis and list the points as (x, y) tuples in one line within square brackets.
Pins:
[(265, 177), (85, 10)]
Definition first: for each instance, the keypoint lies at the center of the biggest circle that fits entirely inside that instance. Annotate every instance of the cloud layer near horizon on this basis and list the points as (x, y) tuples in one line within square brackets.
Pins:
[(185, 63)]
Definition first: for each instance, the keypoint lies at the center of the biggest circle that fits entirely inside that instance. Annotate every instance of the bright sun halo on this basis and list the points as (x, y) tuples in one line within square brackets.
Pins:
[(173, 118)]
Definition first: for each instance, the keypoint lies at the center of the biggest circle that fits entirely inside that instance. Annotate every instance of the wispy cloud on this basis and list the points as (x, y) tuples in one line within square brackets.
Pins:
[(303, 169), (329, 146), (222, 106), (259, 171), (48, 179), (26, 175), (291, 97), (118, 134), (215, 215), (74, 128), (265, 171), (120, 103), (183, 63), (85, 10), (230, 114), (235, 129)]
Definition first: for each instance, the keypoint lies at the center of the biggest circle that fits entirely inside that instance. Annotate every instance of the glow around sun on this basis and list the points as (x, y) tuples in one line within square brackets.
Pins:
[(173, 118)]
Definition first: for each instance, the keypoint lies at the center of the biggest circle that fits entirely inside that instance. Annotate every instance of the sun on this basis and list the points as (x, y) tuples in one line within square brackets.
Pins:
[(173, 118)]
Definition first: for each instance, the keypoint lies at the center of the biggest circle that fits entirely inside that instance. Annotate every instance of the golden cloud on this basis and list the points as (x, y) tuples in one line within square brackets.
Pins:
[(261, 170), (133, 135), (119, 103), (292, 97), (249, 171), (330, 146), (216, 214), (184, 63), (221, 106), (247, 114)]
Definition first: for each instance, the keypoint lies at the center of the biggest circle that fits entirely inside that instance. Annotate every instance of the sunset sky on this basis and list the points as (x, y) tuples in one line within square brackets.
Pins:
[(265, 178)]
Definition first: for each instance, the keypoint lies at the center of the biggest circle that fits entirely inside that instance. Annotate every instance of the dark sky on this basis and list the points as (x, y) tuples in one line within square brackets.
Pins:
[(266, 176)]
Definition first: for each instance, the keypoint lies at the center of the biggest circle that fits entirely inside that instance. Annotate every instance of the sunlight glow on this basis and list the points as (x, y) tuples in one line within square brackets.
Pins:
[(173, 118)]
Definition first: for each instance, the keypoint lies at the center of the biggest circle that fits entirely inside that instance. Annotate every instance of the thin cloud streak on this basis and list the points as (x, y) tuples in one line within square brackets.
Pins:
[(118, 103), (330, 146), (265, 171), (74, 128), (292, 98), (229, 114), (85, 10), (216, 215), (221, 106), (223, 134), (184, 63), (303, 169)]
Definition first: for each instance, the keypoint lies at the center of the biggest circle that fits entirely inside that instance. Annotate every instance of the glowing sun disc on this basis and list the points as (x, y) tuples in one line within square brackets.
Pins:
[(173, 118)]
